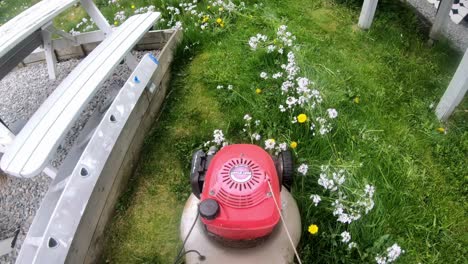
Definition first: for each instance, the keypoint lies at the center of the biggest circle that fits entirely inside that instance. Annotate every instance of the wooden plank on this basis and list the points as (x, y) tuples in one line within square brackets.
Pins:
[(455, 91), (49, 52), (14, 56), (153, 40), (29, 21), (367, 13), (5, 246), (6, 137), (30, 151), (441, 19)]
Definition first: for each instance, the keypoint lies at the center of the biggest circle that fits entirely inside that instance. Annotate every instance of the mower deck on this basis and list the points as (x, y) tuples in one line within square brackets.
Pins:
[(276, 249)]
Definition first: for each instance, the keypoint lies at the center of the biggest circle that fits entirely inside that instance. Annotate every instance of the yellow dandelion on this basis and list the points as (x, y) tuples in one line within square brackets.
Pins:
[(301, 118), (356, 100), (221, 9), (205, 19), (116, 23), (258, 91), (441, 129), (133, 6), (222, 24), (313, 229), (208, 7), (293, 144), (219, 21)]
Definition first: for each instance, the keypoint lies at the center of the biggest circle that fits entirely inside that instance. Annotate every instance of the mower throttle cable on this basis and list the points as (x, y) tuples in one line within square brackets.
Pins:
[(180, 254), (284, 223), (200, 256)]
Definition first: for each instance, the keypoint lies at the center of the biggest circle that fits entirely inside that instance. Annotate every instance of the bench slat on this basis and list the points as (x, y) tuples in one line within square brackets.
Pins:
[(32, 148), (30, 20)]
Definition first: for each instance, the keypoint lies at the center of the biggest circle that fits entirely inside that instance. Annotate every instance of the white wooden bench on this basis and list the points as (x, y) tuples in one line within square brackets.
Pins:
[(30, 152), (33, 27), (6, 137)]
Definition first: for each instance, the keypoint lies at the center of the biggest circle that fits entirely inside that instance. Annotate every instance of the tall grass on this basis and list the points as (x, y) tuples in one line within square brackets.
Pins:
[(383, 82)]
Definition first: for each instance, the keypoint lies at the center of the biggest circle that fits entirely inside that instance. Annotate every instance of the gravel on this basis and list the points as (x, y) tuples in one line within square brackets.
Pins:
[(21, 93), (456, 33)]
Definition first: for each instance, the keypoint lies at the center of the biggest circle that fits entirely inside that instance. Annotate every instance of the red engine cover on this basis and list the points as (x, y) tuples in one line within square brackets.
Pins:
[(237, 179)]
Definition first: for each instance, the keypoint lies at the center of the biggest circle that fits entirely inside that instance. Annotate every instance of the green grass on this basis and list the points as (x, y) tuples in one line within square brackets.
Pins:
[(10, 9), (419, 173)]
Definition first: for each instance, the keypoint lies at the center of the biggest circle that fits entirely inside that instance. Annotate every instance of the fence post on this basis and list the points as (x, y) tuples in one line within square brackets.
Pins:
[(367, 13), (441, 19), (455, 91)]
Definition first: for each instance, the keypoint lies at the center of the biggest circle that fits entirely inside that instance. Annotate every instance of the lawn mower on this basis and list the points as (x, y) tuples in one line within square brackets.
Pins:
[(239, 197)]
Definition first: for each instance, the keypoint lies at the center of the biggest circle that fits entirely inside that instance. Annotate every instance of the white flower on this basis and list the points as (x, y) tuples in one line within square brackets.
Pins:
[(394, 252), (269, 144), (247, 117), (178, 25), (303, 168), (291, 101), (381, 260), (253, 42), (344, 218), (312, 126), (352, 245), (256, 136), (230, 87), (332, 113), (286, 85), (277, 75), (257, 122), (218, 136), (262, 37), (316, 199), (264, 75), (369, 190), (339, 177), (270, 48), (219, 87), (283, 146), (282, 108), (326, 183), (303, 83), (345, 237)]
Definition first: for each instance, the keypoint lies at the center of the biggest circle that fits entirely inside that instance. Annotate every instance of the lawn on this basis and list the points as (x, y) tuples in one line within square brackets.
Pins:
[(384, 84)]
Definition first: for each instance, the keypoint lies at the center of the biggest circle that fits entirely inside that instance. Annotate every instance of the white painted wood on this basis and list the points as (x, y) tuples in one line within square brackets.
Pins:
[(367, 13), (6, 138), (441, 19), (32, 148), (66, 35), (50, 171), (97, 16), (32, 19), (455, 91), (5, 246), (49, 51), (131, 61)]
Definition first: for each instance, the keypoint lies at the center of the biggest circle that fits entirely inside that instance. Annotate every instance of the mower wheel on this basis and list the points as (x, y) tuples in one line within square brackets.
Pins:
[(197, 172), (285, 161)]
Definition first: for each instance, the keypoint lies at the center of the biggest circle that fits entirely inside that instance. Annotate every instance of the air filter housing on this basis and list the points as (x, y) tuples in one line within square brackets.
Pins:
[(237, 180)]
